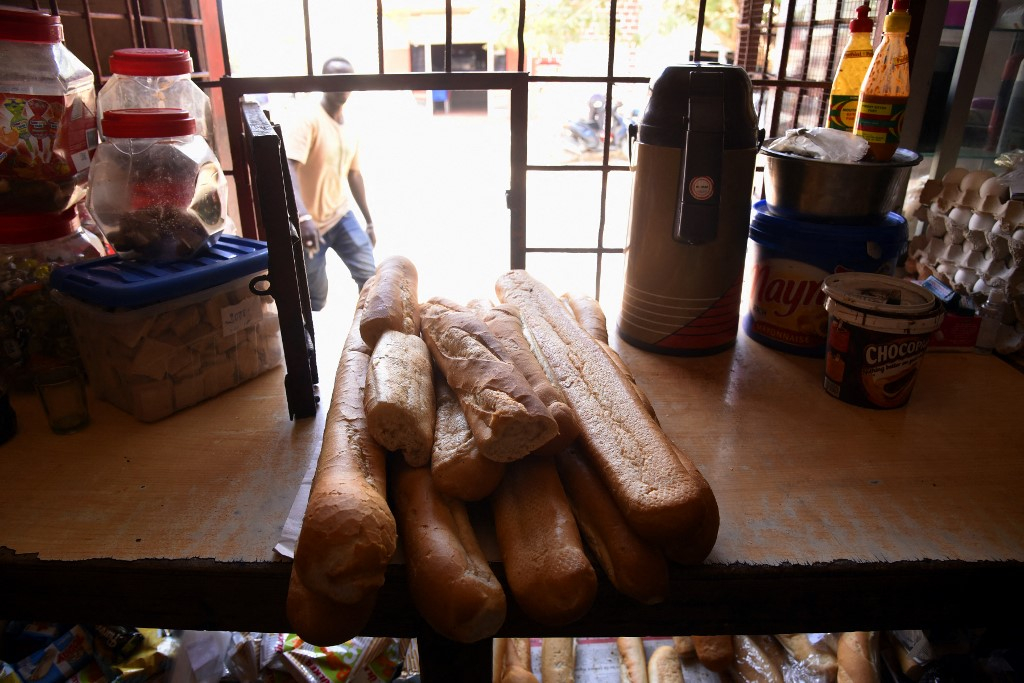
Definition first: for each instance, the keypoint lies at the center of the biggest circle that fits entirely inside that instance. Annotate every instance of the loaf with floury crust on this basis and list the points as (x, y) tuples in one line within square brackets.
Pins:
[(632, 660), (399, 398), (507, 417), (458, 468), (392, 300), (751, 664), (348, 532), (658, 488), (558, 660), (546, 567), (714, 652), (503, 320), (664, 666), (635, 567), (450, 581), (857, 657)]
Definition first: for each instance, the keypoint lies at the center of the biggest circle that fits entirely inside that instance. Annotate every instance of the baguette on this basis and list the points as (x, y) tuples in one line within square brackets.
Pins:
[(507, 418), (451, 583), (857, 658), (546, 567), (321, 621), (456, 464), (558, 660), (348, 532), (517, 653), (714, 652), (588, 313), (503, 320), (684, 646), (632, 660), (517, 674), (751, 664), (634, 566), (591, 318), (392, 302), (815, 659), (657, 487), (664, 666), (399, 398)]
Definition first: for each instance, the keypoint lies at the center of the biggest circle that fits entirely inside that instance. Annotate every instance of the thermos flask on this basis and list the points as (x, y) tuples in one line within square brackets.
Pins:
[(693, 173)]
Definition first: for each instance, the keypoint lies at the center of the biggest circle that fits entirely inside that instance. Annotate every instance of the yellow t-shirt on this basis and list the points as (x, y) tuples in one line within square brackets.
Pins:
[(325, 151)]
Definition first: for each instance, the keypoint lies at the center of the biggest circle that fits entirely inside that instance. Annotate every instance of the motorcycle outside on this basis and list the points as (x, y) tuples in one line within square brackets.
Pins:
[(584, 137)]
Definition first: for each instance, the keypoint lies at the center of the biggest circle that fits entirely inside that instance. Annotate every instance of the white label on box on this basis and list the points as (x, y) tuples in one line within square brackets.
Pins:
[(234, 319)]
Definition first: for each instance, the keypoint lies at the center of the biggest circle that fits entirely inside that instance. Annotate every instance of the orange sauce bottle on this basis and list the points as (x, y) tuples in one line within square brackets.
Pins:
[(886, 88)]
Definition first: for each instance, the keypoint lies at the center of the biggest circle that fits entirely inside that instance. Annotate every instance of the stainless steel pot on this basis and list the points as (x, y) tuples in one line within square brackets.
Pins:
[(808, 189)]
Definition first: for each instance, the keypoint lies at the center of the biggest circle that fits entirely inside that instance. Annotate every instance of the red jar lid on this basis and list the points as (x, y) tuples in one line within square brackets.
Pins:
[(26, 228), (148, 123), (30, 26), (150, 61)]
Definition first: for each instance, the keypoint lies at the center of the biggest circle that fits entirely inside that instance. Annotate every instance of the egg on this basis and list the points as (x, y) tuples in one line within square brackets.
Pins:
[(954, 176), (993, 187), (973, 181), (965, 278), (981, 222), (1019, 235), (960, 217)]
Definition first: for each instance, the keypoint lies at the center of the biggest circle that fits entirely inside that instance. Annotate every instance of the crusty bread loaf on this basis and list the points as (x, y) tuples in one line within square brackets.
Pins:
[(714, 652), (503, 320), (348, 533), (545, 564), (506, 416), (774, 651), (664, 666), (517, 674), (815, 658), (591, 318), (450, 581), (321, 621), (658, 488), (684, 646), (456, 464), (751, 664), (857, 658), (392, 302), (635, 567), (399, 398), (518, 653), (632, 660), (587, 311), (558, 660)]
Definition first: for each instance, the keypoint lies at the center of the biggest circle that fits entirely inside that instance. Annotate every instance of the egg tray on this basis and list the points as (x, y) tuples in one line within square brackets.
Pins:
[(972, 239)]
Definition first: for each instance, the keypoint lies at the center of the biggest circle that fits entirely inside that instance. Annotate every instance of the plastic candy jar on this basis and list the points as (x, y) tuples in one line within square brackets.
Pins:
[(153, 77), (47, 119), (33, 328), (156, 189)]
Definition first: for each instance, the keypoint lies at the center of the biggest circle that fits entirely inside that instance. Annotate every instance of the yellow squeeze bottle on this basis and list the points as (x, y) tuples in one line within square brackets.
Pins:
[(853, 66)]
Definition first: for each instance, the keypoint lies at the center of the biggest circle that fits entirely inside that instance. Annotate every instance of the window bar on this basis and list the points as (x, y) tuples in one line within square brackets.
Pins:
[(223, 38), (787, 33), (833, 50), (380, 36), (167, 23), (134, 12), (309, 40), (805, 66), (448, 36), (91, 31), (605, 153), (699, 35), (520, 36)]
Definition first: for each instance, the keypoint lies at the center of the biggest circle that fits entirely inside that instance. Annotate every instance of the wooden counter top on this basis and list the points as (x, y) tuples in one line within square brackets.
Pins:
[(833, 516)]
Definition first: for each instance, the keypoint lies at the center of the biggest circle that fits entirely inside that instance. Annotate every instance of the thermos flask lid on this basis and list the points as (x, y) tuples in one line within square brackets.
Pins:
[(664, 120)]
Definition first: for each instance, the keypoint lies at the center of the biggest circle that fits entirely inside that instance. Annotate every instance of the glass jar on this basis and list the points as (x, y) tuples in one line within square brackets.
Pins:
[(156, 189), (152, 77), (47, 121), (33, 328)]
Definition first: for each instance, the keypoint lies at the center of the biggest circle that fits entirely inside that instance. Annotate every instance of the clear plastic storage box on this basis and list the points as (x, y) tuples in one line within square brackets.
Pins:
[(156, 339)]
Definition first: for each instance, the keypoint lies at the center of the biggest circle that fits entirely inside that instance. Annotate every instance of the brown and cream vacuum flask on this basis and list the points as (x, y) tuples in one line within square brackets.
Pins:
[(693, 176)]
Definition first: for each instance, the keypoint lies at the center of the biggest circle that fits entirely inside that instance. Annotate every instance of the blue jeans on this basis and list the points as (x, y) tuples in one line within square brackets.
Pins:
[(350, 241)]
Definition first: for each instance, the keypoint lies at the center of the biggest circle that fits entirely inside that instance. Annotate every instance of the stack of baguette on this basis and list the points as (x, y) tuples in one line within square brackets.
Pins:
[(521, 407)]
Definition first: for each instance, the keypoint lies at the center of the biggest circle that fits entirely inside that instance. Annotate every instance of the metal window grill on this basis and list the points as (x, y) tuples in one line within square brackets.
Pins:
[(789, 47)]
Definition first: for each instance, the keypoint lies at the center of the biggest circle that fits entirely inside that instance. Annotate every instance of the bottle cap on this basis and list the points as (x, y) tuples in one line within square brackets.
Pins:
[(150, 61), (27, 228), (863, 23), (148, 123), (898, 20), (30, 26)]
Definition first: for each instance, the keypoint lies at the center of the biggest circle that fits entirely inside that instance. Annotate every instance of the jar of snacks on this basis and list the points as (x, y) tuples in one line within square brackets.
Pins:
[(47, 121), (156, 189), (155, 77), (33, 328)]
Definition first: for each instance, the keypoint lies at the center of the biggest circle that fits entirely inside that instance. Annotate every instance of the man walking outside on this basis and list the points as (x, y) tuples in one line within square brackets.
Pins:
[(323, 159)]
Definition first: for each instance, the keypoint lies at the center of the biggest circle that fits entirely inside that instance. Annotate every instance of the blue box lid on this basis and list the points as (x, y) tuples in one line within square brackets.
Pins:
[(111, 282)]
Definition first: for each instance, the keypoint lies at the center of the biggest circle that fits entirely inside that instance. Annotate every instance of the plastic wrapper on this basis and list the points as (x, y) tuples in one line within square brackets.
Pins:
[(360, 660), (827, 144)]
